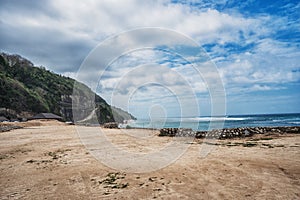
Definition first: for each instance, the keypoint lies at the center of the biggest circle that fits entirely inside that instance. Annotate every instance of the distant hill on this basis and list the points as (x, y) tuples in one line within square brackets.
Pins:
[(26, 90)]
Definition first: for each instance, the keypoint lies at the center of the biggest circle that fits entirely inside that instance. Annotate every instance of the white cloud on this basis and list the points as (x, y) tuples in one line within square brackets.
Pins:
[(271, 62), (258, 87), (63, 33), (93, 20)]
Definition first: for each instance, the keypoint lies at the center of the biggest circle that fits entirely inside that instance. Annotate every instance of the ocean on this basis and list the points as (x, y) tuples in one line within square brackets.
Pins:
[(230, 121)]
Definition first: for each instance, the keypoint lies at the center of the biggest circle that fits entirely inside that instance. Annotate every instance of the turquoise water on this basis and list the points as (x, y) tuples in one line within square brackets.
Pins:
[(230, 121)]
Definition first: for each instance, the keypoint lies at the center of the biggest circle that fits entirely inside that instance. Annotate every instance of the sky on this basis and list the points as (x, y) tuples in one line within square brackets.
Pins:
[(254, 47)]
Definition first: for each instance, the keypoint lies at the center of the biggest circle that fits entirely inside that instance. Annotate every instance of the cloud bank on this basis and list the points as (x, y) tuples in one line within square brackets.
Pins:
[(255, 45)]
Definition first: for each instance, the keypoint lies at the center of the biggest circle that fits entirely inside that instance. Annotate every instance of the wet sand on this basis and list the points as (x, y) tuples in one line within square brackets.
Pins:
[(46, 160)]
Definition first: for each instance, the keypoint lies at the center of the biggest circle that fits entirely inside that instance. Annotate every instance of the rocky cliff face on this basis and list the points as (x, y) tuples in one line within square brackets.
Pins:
[(26, 90)]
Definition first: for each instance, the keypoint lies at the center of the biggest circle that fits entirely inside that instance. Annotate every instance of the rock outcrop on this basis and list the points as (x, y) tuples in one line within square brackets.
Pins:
[(26, 90)]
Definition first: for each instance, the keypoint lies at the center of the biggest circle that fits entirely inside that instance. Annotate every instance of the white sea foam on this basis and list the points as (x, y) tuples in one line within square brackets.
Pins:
[(229, 121), (294, 122), (208, 119)]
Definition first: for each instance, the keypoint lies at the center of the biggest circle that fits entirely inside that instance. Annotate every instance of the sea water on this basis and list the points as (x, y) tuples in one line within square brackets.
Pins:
[(230, 121)]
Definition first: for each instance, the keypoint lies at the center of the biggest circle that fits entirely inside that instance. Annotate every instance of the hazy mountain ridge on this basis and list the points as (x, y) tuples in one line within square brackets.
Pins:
[(26, 90)]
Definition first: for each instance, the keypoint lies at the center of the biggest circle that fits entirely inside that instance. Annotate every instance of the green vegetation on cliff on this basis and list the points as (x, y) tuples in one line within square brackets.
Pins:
[(26, 90)]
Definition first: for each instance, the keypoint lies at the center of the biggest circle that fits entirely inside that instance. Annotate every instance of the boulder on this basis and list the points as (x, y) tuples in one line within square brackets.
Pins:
[(111, 125)]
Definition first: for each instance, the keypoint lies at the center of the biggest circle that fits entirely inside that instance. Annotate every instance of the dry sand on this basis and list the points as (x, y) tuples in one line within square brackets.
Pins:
[(46, 160)]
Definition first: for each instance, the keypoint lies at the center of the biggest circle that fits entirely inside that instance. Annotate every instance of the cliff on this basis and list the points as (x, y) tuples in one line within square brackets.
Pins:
[(26, 90)]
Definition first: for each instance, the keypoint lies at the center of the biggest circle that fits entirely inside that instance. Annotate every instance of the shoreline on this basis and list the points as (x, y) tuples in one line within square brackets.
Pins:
[(223, 133)]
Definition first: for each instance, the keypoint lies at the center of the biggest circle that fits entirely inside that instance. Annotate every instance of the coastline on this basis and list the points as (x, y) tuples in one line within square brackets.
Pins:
[(204, 123)]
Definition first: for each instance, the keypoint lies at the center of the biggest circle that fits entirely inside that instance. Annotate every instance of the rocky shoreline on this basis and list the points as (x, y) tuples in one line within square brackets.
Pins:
[(228, 132)]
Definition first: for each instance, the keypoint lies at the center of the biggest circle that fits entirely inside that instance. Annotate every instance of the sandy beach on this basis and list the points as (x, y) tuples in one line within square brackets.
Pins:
[(47, 160)]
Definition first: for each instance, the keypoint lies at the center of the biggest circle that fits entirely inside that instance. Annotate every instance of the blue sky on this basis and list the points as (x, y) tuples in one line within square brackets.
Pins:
[(255, 46)]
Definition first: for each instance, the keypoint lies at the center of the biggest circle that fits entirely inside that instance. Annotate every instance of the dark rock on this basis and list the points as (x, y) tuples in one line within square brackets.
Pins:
[(227, 133), (111, 125)]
